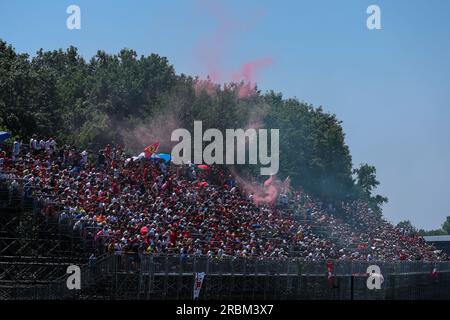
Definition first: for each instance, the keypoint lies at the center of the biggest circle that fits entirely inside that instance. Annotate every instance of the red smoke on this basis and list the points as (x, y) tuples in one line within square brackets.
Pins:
[(268, 182), (247, 75), (269, 195), (212, 52), (261, 195), (248, 70)]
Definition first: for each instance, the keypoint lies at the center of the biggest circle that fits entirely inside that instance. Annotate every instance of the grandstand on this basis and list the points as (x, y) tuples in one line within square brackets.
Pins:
[(34, 249), (440, 242), (152, 226)]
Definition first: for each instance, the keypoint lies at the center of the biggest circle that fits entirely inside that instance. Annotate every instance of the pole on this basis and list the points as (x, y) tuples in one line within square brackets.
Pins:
[(352, 283)]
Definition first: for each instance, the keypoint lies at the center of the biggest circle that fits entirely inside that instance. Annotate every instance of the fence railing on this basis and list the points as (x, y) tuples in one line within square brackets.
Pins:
[(110, 272), (164, 264)]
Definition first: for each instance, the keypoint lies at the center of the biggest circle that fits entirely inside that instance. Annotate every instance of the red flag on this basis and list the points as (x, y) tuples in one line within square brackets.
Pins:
[(330, 268), (151, 149), (433, 271)]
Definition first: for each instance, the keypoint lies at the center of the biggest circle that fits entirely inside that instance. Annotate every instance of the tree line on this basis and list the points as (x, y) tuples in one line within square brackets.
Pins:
[(443, 230)]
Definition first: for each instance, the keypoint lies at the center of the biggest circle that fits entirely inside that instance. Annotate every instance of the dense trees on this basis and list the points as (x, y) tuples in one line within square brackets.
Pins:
[(366, 183), (407, 225), (312, 148), (104, 100), (444, 230)]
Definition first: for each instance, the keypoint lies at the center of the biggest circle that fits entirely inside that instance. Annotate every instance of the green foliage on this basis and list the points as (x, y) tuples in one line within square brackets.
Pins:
[(366, 183), (446, 225), (407, 225), (57, 93), (437, 232), (312, 148), (445, 230)]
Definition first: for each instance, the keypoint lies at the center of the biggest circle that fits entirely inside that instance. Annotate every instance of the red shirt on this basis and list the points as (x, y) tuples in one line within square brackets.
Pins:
[(173, 237)]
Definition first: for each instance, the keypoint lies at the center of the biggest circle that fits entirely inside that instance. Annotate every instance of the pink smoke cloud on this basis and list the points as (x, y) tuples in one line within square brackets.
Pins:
[(269, 194), (248, 70), (268, 197), (266, 194), (212, 51)]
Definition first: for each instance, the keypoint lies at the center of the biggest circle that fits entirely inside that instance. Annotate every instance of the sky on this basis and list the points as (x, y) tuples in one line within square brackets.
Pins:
[(390, 87)]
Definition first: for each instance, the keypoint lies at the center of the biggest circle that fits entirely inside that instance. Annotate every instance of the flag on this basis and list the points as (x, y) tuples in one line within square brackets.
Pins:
[(433, 271), (330, 273), (287, 185), (199, 276), (151, 149)]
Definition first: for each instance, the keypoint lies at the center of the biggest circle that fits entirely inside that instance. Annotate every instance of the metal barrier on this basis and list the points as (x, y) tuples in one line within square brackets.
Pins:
[(248, 265), (145, 276), (148, 276)]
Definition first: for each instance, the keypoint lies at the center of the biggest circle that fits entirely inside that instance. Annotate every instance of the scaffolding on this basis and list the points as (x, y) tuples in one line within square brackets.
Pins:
[(34, 249)]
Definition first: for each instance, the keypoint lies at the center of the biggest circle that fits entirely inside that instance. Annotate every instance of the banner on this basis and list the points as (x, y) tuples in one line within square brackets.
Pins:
[(199, 276)]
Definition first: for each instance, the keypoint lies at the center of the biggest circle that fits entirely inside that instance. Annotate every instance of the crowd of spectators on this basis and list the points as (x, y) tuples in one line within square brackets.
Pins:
[(134, 205), (362, 234)]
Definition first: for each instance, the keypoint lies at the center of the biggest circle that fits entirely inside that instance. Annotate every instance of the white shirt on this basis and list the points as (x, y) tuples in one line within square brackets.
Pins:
[(84, 156)]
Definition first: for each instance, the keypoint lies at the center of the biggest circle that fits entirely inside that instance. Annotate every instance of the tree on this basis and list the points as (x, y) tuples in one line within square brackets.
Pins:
[(407, 225), (445, 230), (446, 225), (366, 183), (312, 147), (366, 178), (436, 232)]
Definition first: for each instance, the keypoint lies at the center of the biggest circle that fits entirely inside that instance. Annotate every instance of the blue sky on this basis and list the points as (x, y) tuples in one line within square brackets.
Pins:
[(390, 87)]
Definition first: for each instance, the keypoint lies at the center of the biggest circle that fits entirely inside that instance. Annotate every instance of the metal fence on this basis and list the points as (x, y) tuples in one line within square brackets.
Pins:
[(164, 277), (162, 264)]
